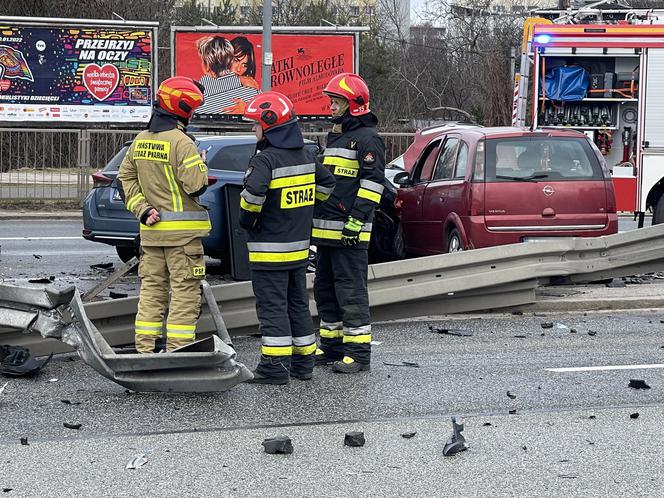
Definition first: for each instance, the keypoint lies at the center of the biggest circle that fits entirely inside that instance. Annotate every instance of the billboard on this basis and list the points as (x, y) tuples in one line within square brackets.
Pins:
[(73, 72), (227, 61)]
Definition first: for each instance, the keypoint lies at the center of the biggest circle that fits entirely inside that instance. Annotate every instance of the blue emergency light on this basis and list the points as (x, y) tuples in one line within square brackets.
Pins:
[(542, 39)]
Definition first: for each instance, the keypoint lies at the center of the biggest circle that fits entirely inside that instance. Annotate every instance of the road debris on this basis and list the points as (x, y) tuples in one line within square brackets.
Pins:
[(411, 364), (456, 442), (547, 325), (408, 435), (634, 415), (354, 439), (519, 336), (36, 256), (16, 361), (510, 395), (2, 389), (70, 402), (7, 490), (281, 445), (567, 476), (24, 441), (456, 332), (513, 412), (137, 461), (72, 426), (102, 266), (592, 333), (638, 384), (572, 331), (487, 424), (592, 417), (53, 380), (42, 280)]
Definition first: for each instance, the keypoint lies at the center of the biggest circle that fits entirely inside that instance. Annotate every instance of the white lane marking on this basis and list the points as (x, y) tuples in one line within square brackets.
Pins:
[(41, 238), (607, 367)]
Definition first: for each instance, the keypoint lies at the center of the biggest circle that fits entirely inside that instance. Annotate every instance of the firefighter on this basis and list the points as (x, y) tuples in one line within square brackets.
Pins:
[(282, 183), (342, 226), (162, 176)]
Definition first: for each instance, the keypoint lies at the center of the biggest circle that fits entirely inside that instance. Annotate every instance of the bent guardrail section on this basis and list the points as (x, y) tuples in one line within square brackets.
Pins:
[(488, 278)]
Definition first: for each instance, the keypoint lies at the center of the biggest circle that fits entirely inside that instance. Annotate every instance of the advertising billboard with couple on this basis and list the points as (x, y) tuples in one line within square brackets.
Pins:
[(227, 62)]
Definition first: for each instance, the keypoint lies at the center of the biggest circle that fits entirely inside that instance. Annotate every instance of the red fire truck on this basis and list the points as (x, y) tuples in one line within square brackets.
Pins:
[(601, 72)]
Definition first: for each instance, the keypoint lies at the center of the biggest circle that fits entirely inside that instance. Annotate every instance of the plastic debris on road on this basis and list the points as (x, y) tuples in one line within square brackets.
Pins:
[(2, 389), (137, 461), (638, 384), (354, 439), (457, 332), (281, 445), (456, 442)]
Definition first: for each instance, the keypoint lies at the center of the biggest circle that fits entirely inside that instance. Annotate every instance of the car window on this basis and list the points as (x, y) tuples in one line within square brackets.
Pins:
[(230, 157), (445, 163), (427, 161), (114, 164), (462, 161), (541, 158)]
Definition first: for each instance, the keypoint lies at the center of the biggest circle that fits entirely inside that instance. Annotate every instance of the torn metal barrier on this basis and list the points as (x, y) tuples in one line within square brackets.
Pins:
[(207, 365)]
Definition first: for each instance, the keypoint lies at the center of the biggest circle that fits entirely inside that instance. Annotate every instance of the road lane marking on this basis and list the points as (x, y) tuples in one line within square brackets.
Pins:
[(603, 368), (41, 238)]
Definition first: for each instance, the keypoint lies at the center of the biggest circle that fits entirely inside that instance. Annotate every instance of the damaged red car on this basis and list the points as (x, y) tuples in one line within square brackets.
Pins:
[(480, 187)]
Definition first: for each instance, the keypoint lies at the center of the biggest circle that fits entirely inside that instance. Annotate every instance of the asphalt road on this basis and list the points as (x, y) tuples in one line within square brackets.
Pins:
[(571, 434)]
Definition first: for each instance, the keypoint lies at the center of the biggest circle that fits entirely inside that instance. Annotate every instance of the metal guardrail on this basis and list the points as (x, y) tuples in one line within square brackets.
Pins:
[(480, 279)]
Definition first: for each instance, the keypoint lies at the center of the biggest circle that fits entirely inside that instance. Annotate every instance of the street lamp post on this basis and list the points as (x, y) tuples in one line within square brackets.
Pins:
[(267, 46)]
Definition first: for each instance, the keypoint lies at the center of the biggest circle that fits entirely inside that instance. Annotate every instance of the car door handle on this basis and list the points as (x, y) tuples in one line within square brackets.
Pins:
[(441, 198), (548, 213)]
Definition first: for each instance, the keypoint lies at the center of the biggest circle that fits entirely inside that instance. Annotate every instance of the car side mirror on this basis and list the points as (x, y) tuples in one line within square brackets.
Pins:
[(402, 179)]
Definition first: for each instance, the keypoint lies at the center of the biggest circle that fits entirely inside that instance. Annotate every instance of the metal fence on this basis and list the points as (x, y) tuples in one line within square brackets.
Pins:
[(55, 165)]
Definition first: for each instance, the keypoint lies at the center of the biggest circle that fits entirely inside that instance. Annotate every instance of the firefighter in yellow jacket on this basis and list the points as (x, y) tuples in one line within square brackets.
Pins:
[(162, 176)]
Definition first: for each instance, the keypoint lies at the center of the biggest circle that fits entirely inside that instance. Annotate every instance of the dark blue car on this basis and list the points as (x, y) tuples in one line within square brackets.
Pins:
[(106, 219)]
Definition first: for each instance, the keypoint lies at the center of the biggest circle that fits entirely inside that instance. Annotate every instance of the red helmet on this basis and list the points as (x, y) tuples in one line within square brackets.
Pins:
[(352, 88), (180, 96), (270, 110)]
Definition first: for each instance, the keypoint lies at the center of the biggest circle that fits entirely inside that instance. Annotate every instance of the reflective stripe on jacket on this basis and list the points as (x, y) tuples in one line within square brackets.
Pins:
[(356, 157), (161, 171), (277, 204)]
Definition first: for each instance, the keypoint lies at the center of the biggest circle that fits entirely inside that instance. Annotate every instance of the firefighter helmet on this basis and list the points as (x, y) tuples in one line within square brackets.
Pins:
[(352, 88), (270, 110), (180, 96)]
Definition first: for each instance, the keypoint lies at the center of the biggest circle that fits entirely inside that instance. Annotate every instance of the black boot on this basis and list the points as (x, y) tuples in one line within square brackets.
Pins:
[(324, 358), (302, 366), (272, 370), (349, 366)]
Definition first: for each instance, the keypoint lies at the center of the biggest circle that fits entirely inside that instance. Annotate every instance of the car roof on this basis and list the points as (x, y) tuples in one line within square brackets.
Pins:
[(508, 132)]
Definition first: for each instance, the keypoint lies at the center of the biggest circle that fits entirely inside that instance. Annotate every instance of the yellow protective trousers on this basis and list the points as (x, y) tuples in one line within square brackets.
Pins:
[(179, 269)]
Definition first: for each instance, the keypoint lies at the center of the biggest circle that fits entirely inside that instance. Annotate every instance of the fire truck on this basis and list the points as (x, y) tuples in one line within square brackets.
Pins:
[(601, 72)]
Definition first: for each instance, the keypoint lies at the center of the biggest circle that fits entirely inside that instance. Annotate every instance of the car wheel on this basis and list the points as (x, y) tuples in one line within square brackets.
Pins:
[(454, 242), (126, 253)]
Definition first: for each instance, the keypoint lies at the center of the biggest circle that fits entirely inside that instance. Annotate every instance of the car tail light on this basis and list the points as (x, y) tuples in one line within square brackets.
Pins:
[(100, 180), (610, 197), (212, 180), (478, 172)]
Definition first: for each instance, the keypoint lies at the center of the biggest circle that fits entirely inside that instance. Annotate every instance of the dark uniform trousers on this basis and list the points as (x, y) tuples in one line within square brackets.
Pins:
[(343, 303), (285, 322)]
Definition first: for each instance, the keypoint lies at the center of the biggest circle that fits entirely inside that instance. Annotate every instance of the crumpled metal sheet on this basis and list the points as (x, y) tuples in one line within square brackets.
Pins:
[(205, 366)]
